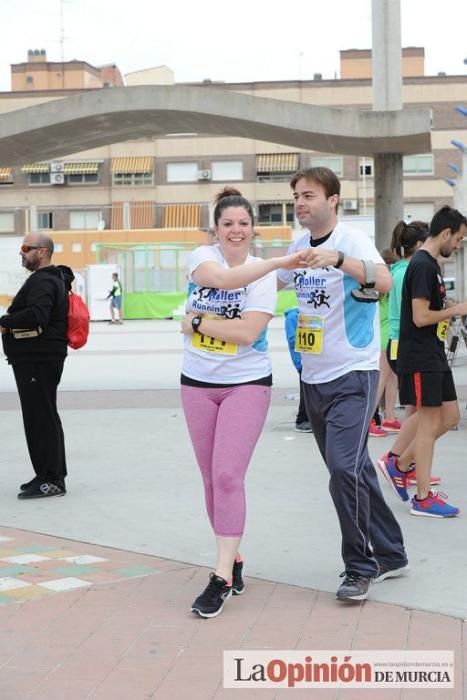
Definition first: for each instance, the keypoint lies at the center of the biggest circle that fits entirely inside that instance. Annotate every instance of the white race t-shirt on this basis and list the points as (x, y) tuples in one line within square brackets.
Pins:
[(336, 334), (227, 363)]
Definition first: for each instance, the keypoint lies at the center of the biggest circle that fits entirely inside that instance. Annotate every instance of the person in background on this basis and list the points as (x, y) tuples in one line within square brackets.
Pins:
[(226, 378), (406, 240), (425, 378), (337, 336), (302, 424), (35, 344), (387, 385), (116, 299)]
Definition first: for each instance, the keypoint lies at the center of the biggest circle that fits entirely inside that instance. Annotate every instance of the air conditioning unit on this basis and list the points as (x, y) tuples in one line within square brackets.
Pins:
[(204, 174), (57, 178), (56, 166), (350, 204)]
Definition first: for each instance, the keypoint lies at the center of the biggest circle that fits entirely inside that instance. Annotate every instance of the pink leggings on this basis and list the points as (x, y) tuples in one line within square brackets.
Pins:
[(224, 425)]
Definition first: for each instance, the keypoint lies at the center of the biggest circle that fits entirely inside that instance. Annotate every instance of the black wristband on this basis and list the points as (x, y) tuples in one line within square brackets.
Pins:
[(340, 259), (195, 323)]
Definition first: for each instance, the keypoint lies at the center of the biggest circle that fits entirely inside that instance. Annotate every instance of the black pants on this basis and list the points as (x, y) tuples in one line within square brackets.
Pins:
[(340, 412), (302, 416), (37, 384)]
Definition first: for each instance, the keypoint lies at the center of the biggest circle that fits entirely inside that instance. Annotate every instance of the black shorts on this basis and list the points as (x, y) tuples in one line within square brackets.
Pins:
[(426, 388)]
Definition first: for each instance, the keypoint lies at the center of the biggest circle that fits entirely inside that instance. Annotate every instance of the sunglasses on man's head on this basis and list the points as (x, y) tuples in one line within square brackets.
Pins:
[(27, 248)]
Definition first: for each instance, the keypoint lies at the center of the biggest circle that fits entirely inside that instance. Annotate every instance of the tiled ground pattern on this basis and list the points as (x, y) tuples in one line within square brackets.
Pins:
[(34, 566), (81, 622)]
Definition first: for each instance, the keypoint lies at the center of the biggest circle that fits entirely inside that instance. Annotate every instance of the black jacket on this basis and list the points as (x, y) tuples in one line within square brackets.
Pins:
[(41, 301)]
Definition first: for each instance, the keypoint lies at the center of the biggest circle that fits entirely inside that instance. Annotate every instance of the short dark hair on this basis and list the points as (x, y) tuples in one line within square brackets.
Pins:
[(446, 217), (324, 176)]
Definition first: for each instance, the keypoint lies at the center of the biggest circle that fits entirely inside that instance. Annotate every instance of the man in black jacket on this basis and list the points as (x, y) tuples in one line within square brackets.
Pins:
[(34, 341)]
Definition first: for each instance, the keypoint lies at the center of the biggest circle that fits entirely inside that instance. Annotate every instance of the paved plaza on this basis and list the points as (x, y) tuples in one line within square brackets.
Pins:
[(95, 588)]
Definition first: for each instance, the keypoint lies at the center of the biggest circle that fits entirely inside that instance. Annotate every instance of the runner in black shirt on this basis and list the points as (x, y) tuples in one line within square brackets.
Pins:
[(425, 379), (421, 348)]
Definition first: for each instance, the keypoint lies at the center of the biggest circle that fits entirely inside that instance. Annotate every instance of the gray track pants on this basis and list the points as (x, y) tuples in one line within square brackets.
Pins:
[(340, 412)]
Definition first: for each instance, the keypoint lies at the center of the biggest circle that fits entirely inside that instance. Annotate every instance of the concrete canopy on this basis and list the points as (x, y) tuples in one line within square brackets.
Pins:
[(101, 117)]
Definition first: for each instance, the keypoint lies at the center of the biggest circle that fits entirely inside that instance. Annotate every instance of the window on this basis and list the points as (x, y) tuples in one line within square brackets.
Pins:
[(76, 247), (85, 220), (132, 171), (334, 163), (182, 172), (366, 168), (29, 79), (58, 247), (274, 176), (273, 214), (82, 179), (421, 164), (45, 220), (276, 167), (132, 179), (7, 222), (39, 178), (227, 170)]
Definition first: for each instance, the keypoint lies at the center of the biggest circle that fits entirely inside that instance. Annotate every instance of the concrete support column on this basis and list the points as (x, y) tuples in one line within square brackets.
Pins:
[(460, 203), (386, 54), (387, 95), (389, 196), (461, 273)]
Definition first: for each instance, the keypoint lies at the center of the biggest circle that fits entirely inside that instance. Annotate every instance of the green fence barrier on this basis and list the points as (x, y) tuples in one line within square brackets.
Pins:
[(140, 305)]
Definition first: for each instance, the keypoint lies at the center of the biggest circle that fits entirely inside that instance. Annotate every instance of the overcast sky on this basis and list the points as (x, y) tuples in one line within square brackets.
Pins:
[(238, 41)]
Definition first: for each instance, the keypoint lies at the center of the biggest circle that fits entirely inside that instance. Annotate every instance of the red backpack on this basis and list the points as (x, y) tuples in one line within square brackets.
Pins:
[(78, 322)]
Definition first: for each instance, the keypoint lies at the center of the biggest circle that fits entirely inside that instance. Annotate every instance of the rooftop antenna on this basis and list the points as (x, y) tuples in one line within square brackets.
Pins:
[(62, 40)]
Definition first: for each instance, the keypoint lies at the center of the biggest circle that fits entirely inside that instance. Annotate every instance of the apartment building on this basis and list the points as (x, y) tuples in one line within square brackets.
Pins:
[(160, 189)]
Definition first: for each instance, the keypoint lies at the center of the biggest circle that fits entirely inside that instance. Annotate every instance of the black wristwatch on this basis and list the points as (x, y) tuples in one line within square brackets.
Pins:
[(195, 323), (340, 259)]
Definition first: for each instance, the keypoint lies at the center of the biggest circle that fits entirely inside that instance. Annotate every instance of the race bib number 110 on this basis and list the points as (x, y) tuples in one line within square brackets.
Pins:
[(310, 334)]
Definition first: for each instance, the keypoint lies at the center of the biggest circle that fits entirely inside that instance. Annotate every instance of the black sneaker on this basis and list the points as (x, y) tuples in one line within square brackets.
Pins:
[(28, 484), (38, 480), (211, 601), (304, 427), (238, 587), (385, 572), (43, 489), (353, 587)]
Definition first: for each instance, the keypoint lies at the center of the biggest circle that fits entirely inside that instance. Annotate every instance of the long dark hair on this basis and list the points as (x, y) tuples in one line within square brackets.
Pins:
[(406, 236)]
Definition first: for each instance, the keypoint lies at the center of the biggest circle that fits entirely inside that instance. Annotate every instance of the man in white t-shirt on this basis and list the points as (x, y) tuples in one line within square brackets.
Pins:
[(338, 338)]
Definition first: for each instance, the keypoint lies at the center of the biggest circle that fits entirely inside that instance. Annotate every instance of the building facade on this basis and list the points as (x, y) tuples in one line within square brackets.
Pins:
[(161, 189)]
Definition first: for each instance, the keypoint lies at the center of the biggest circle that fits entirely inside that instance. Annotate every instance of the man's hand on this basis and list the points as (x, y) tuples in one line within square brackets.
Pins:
[(290, 262), (315, 257), (186, 327)]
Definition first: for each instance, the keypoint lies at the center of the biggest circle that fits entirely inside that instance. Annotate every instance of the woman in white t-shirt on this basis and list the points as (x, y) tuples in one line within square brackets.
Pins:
[(226, 377)]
